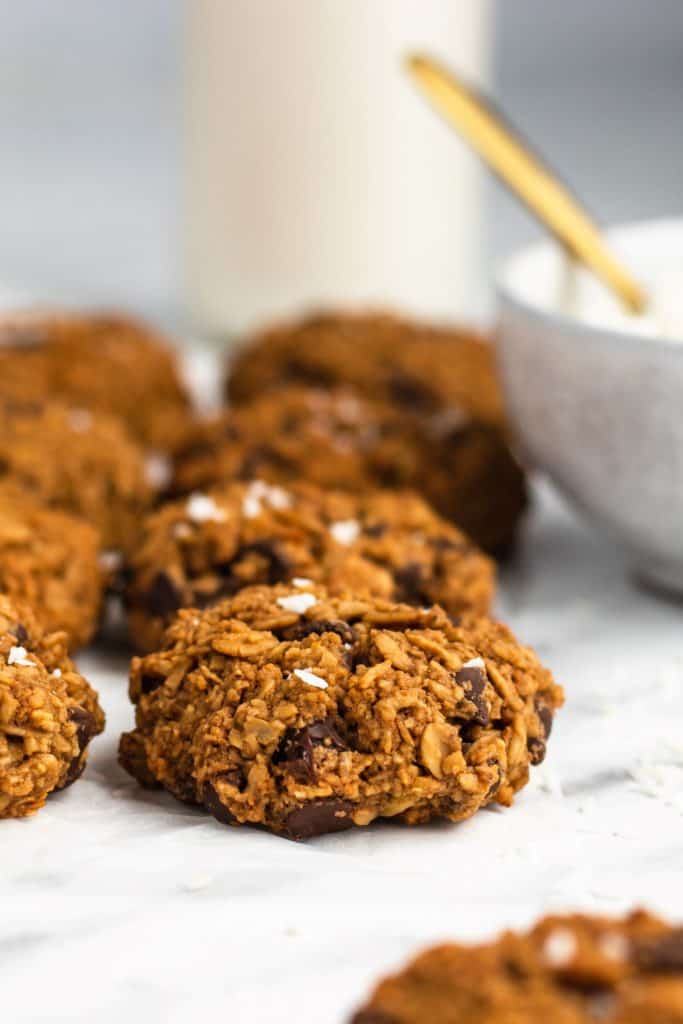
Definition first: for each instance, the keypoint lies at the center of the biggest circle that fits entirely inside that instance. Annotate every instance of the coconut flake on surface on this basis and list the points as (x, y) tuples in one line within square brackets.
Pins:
[(157, 470), (110, 560), (297, 603), (201, 508), (302, 581), (560, 947), (18, 656), (306, 676), (345, 531), (258, 493), (57, 673), (475, 663)]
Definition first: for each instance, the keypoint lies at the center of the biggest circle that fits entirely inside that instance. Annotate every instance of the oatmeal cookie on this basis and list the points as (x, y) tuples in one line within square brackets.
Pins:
[(420, 367), (81, 462), (48, 713), (570, 970), (339, 440), (197, 550), (49, 560), (103, 362), (307, 714)]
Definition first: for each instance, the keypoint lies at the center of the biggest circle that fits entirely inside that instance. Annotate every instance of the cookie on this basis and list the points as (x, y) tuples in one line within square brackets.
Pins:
[(81, 462), (304, 713), (48, 714), (197, 550), (49, 560), (336, 439), (103, 362), (418, 366), (571, 969)]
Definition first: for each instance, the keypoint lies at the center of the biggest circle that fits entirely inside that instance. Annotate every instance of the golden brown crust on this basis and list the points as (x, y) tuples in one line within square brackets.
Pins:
[(100, 361), (81, 462), (307, 713), (568, 969), (49, 561), (195, 551), (338, 440), (48, 713)]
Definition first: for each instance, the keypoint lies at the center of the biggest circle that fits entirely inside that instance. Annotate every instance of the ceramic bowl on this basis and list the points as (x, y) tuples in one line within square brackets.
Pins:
[(596, 405)]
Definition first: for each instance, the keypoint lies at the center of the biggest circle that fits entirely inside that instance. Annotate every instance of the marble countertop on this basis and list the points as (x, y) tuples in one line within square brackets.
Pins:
[(118, 903)]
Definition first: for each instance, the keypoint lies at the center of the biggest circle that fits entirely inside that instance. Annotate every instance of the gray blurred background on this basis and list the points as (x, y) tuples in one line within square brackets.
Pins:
[(91, 129)]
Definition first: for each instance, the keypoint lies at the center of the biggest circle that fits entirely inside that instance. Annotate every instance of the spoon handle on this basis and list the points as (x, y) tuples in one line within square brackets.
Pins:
[(526, 175)]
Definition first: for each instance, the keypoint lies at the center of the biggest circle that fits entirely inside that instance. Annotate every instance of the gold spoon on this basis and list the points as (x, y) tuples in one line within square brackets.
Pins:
[(526, 175)]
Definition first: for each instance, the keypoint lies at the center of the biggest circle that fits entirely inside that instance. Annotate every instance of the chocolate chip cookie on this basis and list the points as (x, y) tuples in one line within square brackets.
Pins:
[(422, 368), (48, 713), (569, 970), (81, 462), (49, 560), (304, 713), (103, 362), (197, 550), (337, 439)]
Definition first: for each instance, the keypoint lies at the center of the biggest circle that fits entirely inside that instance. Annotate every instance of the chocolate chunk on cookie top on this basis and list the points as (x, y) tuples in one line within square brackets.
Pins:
[(197, 550), (573, 969), (48, 714), (317, 715)]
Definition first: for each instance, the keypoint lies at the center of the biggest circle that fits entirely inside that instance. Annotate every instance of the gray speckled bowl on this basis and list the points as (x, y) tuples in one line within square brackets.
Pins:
[(598, 408)]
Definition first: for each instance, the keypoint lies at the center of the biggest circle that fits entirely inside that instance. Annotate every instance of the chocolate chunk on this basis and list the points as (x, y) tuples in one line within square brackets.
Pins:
[(409, 580), (21, 633), (320, 626), (536, 748), (410, 391), (375, 530), (85, 730), (473, 680), (318, 817), (163, 597), (85, 726), (149, 682), (278, 567), (296, 752), (661, 954), (545, 714), (216, 809)]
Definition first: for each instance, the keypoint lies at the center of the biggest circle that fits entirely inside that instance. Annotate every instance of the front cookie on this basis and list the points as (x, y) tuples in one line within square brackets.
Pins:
[(309, 714)]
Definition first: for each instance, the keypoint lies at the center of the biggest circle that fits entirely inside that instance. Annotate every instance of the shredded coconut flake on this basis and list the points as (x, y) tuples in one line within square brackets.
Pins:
[(57, 673), (345, 531), (258, 492), (297, 603), (110, 561), (157, 471), (306, 676), (18, 656), (201, 508), (475, 663), (302, 581), (560, 947)]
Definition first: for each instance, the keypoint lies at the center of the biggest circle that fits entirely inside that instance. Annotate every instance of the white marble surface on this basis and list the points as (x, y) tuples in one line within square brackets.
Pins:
[(119, 904)]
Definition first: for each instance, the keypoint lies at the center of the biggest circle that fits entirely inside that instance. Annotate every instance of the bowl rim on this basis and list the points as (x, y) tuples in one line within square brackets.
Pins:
[(612, 336)]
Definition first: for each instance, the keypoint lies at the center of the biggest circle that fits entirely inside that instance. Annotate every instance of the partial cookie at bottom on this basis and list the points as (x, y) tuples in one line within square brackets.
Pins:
[(574, 969)]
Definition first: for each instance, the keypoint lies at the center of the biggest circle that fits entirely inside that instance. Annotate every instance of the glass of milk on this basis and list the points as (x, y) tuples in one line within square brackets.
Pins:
[(316, 175)]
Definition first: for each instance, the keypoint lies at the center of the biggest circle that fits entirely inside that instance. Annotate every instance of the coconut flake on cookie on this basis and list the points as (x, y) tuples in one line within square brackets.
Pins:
[(297, 603), (310, 678), (201, 508)]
